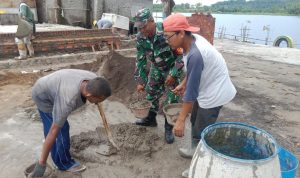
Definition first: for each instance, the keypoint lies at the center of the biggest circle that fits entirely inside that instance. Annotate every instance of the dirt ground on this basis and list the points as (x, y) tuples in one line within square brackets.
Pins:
[(267, 80)]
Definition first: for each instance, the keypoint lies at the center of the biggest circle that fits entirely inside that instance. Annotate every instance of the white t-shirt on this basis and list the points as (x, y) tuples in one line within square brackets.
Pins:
[(208, 79)]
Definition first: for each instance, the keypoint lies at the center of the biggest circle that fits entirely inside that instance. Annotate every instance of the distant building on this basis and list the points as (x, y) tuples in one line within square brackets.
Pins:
[(81, 13)]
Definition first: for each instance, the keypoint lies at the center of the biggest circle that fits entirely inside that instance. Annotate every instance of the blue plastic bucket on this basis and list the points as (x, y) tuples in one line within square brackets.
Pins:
[(288, 163)]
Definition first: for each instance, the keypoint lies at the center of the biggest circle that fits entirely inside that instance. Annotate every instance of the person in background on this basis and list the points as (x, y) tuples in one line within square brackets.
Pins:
[(165, 71), (207, 85), (56, 96), (104, 23), (25, 31)]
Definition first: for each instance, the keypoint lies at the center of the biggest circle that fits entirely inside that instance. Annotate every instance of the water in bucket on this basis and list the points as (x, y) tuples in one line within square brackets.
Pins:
[(240, 143)]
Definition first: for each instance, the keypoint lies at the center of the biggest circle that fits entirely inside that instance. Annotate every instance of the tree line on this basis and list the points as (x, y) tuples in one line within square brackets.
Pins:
[(287, 7)]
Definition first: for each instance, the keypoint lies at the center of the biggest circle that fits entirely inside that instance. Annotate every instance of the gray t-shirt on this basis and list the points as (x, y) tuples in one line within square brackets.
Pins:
[(59, 93)]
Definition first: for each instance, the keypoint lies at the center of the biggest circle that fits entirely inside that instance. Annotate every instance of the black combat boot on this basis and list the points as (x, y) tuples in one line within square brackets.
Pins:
[(169, 137), (149, 121)]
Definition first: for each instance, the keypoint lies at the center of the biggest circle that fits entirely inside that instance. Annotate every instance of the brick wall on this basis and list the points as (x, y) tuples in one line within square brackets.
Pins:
[(55, 41), (206, 23)]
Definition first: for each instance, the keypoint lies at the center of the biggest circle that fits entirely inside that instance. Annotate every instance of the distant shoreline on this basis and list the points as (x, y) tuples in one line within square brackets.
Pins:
[(235, 13)]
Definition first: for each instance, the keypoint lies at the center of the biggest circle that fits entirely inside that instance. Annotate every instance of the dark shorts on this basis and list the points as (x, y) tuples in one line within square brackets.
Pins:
[(201, 118)]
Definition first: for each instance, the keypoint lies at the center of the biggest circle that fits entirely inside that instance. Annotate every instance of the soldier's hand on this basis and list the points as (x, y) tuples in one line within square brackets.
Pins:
[(170, 80), (140, 88), (179, 90)]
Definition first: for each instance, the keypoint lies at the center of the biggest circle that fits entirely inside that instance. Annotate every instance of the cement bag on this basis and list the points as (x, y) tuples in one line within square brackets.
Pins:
[(24, 28)]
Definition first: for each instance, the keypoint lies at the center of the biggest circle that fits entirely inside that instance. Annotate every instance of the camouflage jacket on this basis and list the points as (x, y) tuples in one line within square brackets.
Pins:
[(159, 53)]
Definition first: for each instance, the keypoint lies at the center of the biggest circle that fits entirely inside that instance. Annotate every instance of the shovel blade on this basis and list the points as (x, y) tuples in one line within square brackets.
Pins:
[(106, 150)]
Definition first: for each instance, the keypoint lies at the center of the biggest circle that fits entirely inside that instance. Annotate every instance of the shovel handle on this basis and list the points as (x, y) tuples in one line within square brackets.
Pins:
[(107, 129)]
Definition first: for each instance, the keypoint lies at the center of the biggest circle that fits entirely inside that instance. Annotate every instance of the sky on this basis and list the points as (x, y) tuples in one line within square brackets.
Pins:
[(203, 2)]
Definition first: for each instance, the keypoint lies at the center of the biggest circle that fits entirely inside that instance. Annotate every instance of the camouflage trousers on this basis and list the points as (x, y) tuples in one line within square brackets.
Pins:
[(156, 87)]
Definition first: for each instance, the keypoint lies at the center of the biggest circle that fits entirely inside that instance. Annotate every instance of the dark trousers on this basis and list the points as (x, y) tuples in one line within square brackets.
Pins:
[(60, 151), (201, 118)]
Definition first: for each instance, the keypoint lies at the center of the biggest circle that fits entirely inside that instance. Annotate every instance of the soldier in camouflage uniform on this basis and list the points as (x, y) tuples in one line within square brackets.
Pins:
[(165, 70)]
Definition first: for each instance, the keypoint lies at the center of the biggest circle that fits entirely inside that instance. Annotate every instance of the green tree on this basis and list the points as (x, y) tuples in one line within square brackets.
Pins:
[(187, 6), (290, 7), (198, 6)]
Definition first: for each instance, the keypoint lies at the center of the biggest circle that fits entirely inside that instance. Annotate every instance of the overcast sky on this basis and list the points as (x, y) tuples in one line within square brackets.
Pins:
[(203, 2)]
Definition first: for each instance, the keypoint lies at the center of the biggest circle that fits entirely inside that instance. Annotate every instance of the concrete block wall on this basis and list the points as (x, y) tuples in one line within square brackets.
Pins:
[(41, 11), (50, 7), (97, 9), (85, 11), (206, 23), (75, 10), (126, 8)]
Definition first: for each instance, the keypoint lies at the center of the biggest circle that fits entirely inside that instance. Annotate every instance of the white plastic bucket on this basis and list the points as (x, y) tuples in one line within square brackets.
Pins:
[(235, 150)]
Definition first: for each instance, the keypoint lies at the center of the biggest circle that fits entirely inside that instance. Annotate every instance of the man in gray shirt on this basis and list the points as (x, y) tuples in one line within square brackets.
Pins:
[(56, 96)]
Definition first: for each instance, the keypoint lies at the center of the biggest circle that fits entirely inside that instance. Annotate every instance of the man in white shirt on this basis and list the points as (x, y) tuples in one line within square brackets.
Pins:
[(207, 85)]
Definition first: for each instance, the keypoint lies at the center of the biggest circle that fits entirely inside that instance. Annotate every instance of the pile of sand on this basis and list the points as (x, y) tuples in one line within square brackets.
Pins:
[(119, 71)]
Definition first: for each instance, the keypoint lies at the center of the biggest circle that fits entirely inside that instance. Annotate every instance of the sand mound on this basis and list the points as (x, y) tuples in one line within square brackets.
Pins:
[(119, 71)]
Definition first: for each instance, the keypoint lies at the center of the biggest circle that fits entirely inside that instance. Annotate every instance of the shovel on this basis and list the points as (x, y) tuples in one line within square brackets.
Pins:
[(106, 150)]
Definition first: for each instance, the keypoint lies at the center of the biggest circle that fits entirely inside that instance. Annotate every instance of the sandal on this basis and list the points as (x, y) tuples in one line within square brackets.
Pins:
[(20, 58), (77, 167)]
